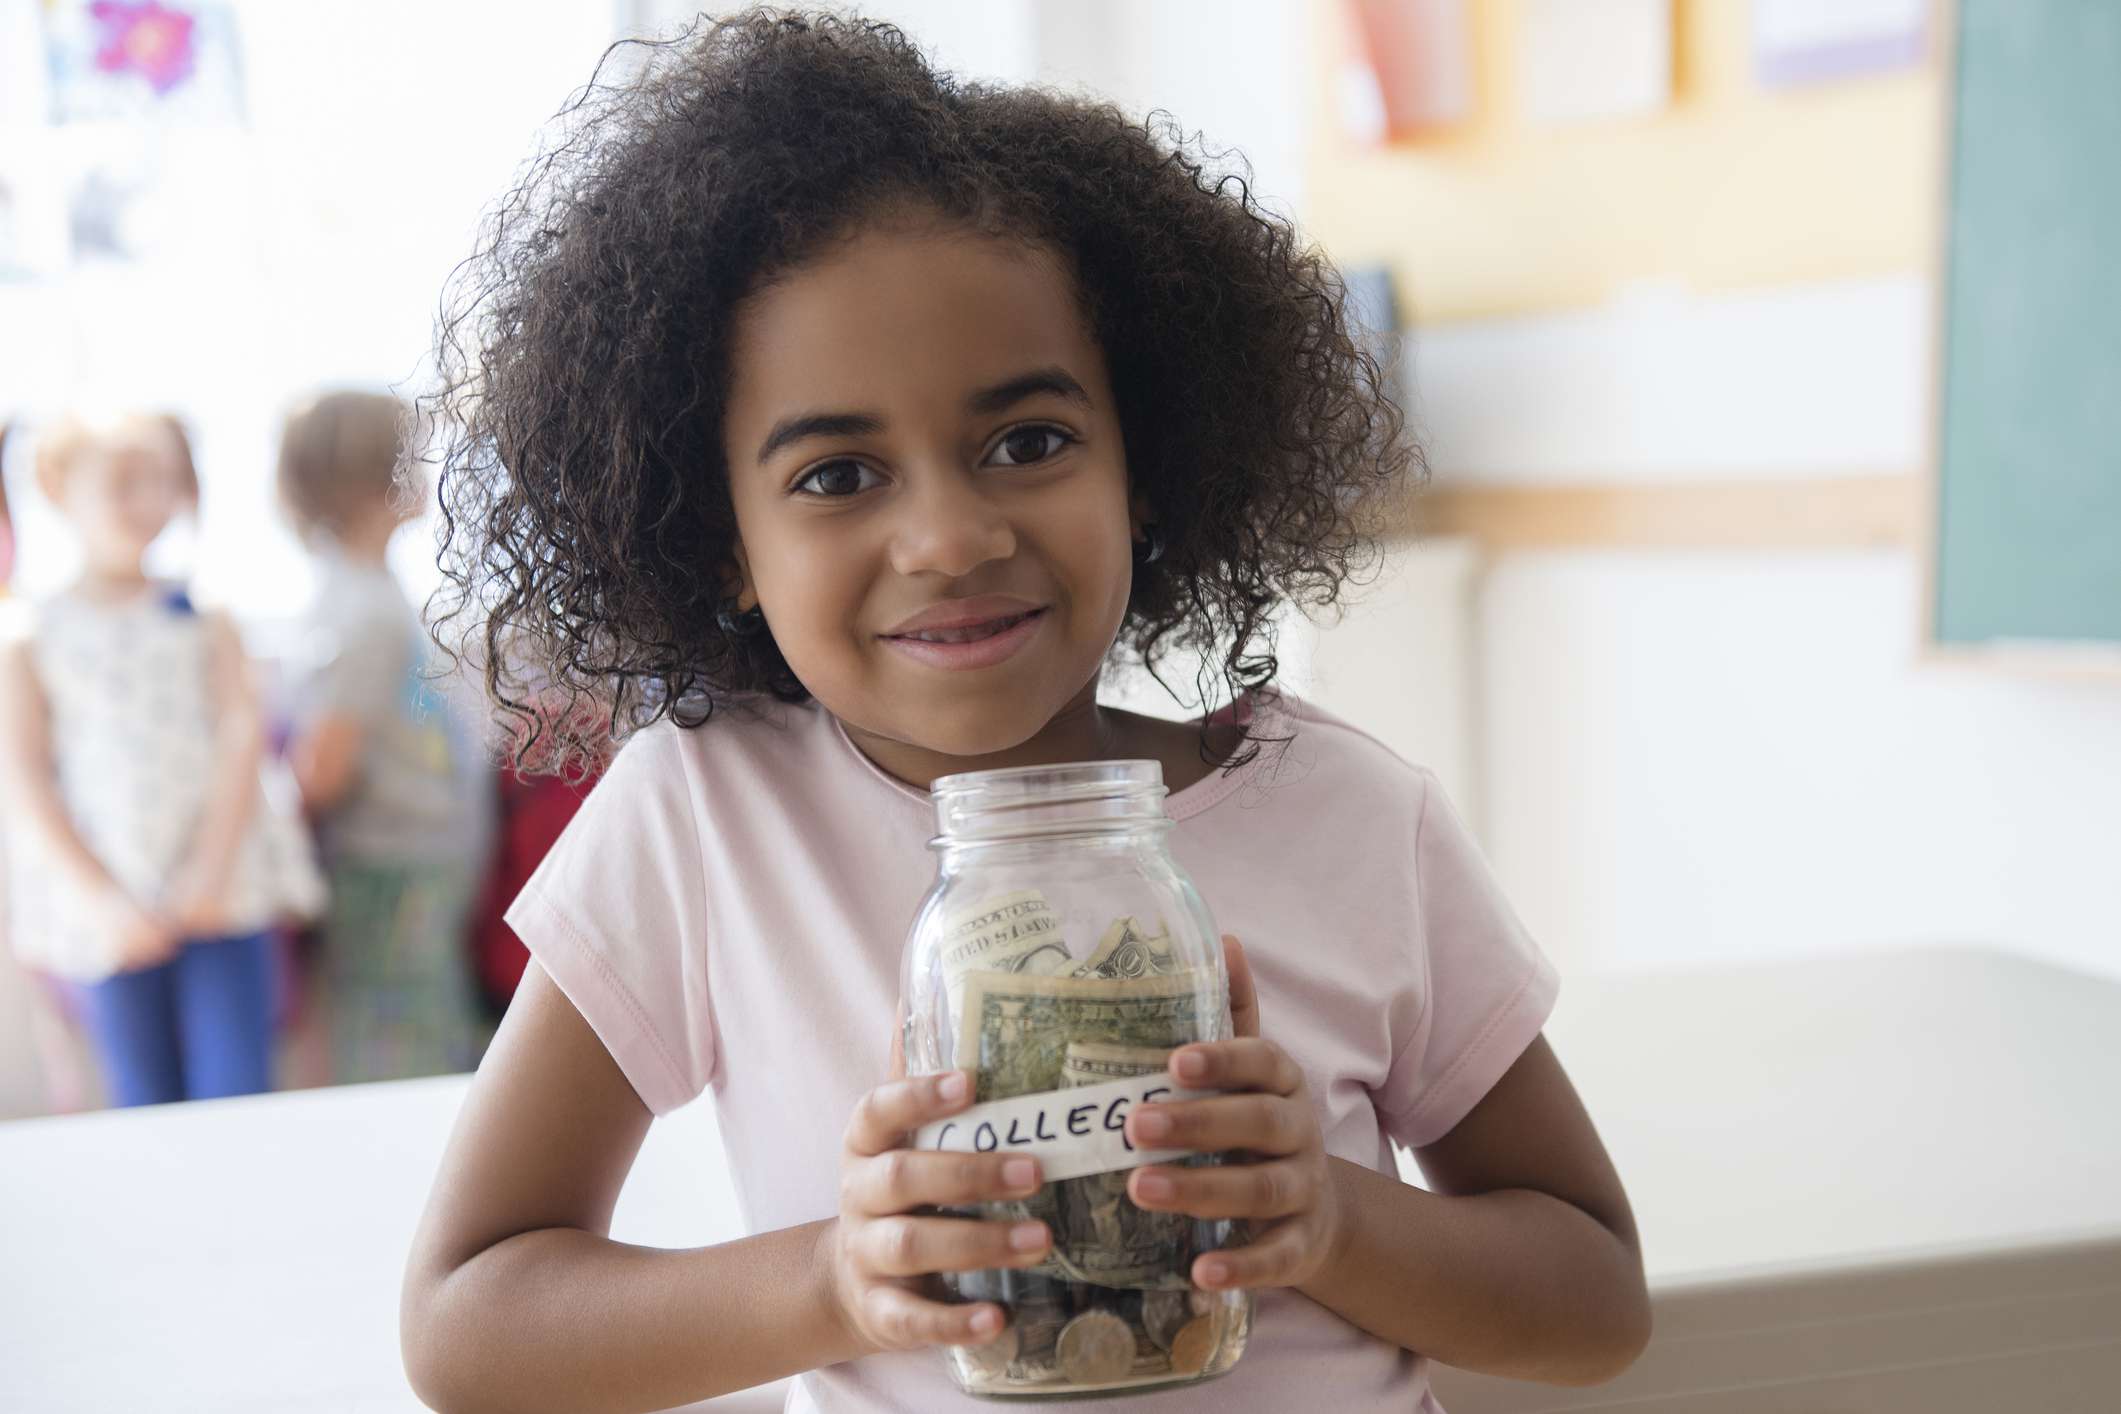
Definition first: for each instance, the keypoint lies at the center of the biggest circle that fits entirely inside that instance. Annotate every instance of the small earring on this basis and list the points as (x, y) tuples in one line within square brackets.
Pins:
[(741, 623), (1150, 548)]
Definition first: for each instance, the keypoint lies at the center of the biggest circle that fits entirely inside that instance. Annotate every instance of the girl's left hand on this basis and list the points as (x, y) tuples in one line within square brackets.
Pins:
[(196, 903), (1293, 1207)]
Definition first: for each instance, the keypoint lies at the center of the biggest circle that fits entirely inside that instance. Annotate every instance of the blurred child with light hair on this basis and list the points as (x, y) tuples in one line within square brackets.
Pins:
[(390, 769), (145, 870)]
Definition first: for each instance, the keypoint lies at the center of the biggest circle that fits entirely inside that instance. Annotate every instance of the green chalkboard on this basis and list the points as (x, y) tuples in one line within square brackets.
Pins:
[(2029, 468)]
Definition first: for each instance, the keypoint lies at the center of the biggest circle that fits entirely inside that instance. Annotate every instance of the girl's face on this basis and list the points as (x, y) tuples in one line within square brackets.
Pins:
[(930, 489), (120, 489)]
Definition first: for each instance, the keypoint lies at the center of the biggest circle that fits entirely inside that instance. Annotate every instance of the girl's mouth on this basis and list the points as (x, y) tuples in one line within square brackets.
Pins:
[(975, 645)]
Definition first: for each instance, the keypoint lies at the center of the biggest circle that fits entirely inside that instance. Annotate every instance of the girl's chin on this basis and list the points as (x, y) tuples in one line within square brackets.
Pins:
[(972, 736), (946, 723)]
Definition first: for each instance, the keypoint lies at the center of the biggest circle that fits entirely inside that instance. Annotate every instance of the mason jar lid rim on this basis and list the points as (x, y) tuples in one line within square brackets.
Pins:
[(963, 782), (1079, 827)]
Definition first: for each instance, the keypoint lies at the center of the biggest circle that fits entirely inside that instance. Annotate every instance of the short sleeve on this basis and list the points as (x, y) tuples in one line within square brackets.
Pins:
[(616, 915), (1489, 989), (365, 675)]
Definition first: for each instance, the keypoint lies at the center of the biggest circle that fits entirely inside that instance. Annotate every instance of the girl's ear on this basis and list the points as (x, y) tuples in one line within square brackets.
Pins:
[(1139, 514), (739, 588)]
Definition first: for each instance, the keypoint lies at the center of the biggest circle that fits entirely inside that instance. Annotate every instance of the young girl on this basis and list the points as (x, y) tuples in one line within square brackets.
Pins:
[(388, 770), (835, 423), (145, 870)]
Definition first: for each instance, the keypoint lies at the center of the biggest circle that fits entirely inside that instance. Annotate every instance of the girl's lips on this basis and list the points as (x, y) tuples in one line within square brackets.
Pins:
[(978, 646)]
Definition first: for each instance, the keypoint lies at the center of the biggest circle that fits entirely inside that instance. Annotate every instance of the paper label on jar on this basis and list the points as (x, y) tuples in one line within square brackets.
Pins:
[(1072, 1133)]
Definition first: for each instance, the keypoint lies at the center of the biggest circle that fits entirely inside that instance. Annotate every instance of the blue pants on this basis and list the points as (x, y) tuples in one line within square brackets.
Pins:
[(196, 1027)]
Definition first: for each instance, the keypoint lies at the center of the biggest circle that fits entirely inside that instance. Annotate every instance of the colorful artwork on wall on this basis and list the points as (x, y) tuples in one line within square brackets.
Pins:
[(143, 60)]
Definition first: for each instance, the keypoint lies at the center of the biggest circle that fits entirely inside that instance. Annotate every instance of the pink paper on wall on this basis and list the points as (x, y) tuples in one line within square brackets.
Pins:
[(1411, 69)]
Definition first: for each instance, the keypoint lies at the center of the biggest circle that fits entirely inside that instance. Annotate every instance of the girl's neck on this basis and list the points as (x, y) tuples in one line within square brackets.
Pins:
[(118, 576), (1081, 731), (367, 540)]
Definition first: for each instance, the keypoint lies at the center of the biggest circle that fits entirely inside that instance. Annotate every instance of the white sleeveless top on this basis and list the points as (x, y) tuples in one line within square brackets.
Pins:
[(129, 697)]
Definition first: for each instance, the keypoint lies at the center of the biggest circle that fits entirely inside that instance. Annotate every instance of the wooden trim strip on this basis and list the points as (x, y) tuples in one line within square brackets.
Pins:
[(1813, 513)]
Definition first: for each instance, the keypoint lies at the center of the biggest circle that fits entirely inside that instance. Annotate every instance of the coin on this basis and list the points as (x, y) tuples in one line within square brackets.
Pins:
[(1096, 1348), (994, 1357), (1193, 1345), (1164, 1313)]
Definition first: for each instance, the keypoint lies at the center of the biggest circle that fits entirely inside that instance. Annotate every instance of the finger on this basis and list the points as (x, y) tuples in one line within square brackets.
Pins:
[(1247, 1063), (1276, 1189), (1270, 1261), (904, 1246), (1244, 994), (1266, 1124), (908, 1321), (903, 1179), (886, 1113)]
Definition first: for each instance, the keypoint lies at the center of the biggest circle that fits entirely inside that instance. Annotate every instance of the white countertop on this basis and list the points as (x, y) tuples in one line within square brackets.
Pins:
[(1890, 1102), (1789, 1133)]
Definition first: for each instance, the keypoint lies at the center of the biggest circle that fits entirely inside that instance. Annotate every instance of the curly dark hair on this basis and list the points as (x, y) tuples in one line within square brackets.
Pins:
[(587, 528)]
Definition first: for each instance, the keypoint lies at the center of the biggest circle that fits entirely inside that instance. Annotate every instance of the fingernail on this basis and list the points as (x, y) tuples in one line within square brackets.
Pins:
[(1192, 1065), (1155, 1187), (1020, 1173), (987, 1322), (1151, 1124), (952, 1086), (1213, 1273), (1027, 1237)]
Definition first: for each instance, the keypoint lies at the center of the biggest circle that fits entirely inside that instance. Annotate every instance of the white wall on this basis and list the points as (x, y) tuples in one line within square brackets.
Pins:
[(1667, 384), (1682, 757), (1693, 757), (1400, 663)]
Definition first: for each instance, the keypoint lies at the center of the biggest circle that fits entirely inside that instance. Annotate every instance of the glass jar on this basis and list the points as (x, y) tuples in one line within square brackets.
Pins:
[(1060, 956)]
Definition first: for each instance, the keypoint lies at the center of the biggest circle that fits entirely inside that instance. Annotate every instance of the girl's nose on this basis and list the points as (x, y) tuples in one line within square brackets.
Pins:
[(951, 529)]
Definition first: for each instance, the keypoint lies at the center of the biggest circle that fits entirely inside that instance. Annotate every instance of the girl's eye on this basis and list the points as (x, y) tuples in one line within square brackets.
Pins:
[(840, 478), (1025, 445)]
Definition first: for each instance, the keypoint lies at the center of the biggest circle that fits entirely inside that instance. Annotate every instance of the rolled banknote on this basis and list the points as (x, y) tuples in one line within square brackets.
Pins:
[(1130, 950)]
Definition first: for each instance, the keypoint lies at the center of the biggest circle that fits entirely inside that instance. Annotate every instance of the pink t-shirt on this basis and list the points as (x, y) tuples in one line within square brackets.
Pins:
[(729, 907)]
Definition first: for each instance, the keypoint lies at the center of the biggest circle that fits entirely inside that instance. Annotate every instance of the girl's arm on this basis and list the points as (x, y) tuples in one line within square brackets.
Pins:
[(324, 756), (199, 891), (26, 781), (1522, 1262), (33, 793), (516, 1300)]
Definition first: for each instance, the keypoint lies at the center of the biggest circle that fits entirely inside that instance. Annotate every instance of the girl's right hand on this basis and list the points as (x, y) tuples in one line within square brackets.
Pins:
[(884, 1245), (142, 939)]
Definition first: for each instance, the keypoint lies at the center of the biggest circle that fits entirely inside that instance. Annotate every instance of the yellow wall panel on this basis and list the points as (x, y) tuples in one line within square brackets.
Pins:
[(1732, 185)]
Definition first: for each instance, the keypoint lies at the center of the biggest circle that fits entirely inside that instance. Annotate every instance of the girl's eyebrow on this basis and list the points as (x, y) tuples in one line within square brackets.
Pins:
[(818, 424), (1054, 380)]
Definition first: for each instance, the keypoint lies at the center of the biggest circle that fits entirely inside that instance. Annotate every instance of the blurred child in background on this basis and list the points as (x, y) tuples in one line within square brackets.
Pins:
[(531, 811), (7, 526), (389, 769), (144, 869)]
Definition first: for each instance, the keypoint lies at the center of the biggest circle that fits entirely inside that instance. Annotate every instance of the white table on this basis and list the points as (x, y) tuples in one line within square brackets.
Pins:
[(1873, 1183)]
